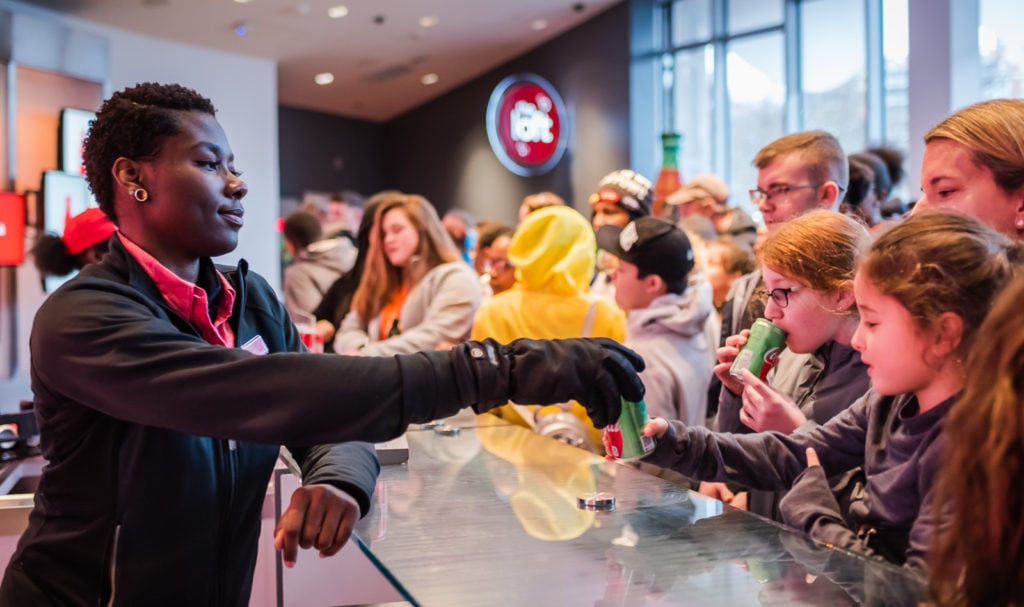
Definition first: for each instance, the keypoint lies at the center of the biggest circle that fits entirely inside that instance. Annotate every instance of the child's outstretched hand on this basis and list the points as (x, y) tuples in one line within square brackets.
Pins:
[(765, 408), (656, 427)]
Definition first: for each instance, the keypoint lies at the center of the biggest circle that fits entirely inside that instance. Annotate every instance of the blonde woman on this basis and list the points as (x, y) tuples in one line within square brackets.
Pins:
[(974, 164), (416, 293)]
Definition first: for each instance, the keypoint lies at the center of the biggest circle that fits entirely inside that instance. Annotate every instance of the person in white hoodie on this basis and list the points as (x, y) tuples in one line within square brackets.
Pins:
[(316, 263), (664, 319)]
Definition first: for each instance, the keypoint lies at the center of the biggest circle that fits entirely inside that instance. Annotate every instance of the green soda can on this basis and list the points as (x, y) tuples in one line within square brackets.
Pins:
[(761, 351), (624, 438)]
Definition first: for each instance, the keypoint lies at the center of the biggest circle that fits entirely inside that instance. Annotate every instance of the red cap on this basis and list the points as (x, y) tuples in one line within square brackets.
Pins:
[(89, 227)]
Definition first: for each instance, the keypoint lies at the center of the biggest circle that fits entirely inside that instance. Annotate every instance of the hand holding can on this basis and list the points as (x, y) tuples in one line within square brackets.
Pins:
[(761, 351), (625, 439)]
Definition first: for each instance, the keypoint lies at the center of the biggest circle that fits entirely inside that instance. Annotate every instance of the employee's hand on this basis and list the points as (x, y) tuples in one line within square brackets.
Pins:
[(767, 409), (320, 516), (594, 371)]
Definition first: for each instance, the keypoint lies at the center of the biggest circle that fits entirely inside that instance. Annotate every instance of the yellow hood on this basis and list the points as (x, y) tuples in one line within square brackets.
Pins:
[(554, 250)]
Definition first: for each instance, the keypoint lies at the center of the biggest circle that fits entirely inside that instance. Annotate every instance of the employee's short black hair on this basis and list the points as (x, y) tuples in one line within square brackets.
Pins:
[(133, 123)]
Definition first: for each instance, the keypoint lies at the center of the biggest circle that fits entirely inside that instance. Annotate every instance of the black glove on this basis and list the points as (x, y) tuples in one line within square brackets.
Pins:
[(595, 372)]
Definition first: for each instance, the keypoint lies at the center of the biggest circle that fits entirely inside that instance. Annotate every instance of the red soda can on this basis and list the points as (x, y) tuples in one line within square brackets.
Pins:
[(625, 439), (761, 351), (312, 339)]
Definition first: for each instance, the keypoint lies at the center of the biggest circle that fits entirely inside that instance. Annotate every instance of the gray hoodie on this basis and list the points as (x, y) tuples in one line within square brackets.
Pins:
[(314, 270), (670, 335)]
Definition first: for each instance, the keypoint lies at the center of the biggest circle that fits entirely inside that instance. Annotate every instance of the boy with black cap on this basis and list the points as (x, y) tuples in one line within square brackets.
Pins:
[(664, 320)]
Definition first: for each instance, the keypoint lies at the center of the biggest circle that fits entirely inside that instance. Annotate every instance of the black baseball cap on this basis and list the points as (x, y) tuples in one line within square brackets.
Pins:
[(653, 245)]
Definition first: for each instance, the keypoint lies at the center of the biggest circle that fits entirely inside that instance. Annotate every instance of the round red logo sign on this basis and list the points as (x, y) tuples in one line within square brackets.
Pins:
[(526, 124)]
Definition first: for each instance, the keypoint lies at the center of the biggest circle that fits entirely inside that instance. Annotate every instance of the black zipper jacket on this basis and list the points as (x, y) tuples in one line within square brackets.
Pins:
[(160, 446)]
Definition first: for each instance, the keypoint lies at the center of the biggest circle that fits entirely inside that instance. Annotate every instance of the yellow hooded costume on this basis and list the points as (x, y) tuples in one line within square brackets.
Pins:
[(553, 252)]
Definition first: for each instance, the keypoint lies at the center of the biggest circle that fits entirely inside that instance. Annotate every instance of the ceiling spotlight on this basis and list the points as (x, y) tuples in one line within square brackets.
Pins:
[(429, 21), (337, 12), (429, 79), (243, 1), (324, 78), (539, 24)]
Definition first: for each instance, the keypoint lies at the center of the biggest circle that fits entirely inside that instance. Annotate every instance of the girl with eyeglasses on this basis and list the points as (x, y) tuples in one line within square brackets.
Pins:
[(808, 265), (922, 291)]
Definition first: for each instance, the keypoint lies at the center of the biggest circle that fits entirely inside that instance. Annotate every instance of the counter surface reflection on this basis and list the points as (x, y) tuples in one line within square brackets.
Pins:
[(490, 517)]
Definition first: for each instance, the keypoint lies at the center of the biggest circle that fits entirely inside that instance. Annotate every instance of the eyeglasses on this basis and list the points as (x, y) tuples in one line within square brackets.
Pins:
[(498, 266), (779, 296), (757, 194)]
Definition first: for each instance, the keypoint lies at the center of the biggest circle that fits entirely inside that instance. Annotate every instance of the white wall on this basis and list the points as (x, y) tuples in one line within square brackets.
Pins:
[(243, 89)]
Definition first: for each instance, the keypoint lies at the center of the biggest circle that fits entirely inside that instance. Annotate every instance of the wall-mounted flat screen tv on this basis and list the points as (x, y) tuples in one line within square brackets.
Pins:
[(74, 125), (12, 229), (62, 195)]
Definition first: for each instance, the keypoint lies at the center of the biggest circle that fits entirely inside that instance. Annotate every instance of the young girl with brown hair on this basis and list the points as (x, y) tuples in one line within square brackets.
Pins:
[(808, 265), (416, 293), (922, 292), (980, 560)]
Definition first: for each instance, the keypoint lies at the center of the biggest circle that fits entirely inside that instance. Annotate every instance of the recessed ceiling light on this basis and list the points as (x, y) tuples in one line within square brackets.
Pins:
[(429, 79), (539, 24), (337, 12), (429, 21), (324, 78), (243, 1)]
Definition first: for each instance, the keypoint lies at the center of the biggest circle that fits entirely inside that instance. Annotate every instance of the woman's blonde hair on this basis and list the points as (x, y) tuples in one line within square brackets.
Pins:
[(994, 131), (980, 557), (935, 262), (380, 278), (820, 250)]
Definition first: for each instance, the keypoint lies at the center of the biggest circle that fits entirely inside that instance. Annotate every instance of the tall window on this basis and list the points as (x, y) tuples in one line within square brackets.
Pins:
[(739, 73), (1001, 45), (834, 69), (895, 53), (695, 73), (757, 95)]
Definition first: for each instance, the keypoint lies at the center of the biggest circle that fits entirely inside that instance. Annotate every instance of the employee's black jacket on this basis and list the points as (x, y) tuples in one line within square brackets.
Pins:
[(146, 497)]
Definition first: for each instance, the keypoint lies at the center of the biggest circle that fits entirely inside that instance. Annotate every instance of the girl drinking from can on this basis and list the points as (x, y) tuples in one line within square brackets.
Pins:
[(922, 291), (808, 265)]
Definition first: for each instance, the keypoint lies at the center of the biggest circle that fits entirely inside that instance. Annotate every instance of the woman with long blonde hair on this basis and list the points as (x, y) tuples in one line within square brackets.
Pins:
[(416, 293)]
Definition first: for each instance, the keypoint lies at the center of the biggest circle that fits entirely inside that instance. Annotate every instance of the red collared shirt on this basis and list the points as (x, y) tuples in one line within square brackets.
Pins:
[(187, 299)]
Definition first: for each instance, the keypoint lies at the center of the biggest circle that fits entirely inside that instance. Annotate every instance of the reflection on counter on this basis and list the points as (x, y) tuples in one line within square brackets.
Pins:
[(498, 525)]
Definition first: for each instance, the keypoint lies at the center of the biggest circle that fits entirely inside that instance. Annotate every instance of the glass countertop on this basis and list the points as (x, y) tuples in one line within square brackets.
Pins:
[(490, 516)]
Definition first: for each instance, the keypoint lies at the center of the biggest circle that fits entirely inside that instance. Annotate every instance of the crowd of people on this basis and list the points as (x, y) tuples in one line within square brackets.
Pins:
[(894, 409)]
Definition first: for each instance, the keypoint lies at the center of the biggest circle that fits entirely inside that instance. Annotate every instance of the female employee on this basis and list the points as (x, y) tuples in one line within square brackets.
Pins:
[(162, 384)]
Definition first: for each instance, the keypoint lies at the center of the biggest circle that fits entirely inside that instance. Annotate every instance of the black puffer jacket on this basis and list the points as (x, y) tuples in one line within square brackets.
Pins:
[(160, 445)]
